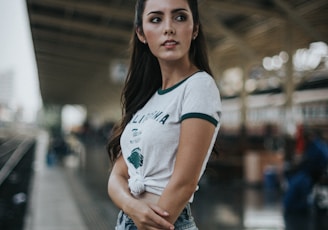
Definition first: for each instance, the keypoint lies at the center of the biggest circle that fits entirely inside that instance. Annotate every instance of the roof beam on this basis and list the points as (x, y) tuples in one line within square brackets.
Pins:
[(80, 26), (218, 26), (103, 10), (311, 6), (43, 35), (42, 52), (298, 20), (69, 53), (240, 8), (66, 61)]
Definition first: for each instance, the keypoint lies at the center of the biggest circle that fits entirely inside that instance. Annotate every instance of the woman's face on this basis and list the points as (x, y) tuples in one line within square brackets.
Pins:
[(168, 29)]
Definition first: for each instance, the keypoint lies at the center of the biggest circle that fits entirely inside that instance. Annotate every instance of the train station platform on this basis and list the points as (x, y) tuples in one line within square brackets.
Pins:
[(66, 197), (51, 203), (58, 199)]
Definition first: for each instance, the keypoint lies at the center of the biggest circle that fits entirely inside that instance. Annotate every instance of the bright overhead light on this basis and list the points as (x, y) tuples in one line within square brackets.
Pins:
[(304, 59)]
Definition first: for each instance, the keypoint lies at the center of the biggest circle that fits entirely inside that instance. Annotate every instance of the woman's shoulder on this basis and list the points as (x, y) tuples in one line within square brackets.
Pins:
[(200, 74), (201, 79)]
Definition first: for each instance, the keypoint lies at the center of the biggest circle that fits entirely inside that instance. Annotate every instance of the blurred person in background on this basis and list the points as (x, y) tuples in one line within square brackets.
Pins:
[(301, 179), (171, 118)]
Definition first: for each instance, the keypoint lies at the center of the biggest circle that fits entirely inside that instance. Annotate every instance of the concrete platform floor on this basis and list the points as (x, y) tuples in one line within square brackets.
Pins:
[(67, 197)]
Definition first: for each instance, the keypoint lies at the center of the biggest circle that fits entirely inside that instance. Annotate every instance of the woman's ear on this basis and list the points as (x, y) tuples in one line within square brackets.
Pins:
[(141, 35), (195, 33)]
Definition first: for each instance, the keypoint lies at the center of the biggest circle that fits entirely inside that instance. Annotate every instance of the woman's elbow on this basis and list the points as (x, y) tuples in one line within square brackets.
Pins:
[(110, 187), (187, 187), (191, 187), (113, 183)]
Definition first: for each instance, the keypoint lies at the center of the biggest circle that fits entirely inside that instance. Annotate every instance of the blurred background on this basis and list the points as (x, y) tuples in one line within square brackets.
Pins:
[(62, 67)]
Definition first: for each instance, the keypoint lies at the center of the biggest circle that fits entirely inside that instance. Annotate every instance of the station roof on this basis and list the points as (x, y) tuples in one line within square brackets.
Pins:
[(76, 42)]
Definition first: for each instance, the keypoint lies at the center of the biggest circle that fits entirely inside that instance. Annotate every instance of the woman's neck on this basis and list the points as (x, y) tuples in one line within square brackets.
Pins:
[(174, 72)]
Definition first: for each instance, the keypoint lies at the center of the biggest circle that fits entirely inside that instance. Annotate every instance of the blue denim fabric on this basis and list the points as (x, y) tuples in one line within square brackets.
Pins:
[(184, 222)]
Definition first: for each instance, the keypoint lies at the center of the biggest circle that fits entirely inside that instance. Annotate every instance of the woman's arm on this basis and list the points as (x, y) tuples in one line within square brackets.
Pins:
[(145, 216), (195, 139)]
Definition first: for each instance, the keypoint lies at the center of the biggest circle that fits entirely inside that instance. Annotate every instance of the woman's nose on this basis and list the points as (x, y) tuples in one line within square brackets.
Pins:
[(169, 29)]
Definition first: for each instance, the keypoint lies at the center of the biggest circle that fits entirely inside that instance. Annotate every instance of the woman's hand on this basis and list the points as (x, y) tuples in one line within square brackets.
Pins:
[(149, 216), (146, 216)]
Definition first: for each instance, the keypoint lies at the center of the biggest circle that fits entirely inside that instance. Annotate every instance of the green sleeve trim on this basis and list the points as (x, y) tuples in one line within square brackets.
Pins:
[(201, 116)]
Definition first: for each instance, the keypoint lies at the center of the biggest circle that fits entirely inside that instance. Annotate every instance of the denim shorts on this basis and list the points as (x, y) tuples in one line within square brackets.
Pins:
[(184, 222)]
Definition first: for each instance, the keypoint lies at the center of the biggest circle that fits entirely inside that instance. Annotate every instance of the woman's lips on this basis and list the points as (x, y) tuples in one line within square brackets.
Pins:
[(170, 43)]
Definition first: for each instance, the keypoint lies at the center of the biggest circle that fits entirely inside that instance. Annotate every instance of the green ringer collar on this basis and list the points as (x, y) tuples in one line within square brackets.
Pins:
[(164, 91)]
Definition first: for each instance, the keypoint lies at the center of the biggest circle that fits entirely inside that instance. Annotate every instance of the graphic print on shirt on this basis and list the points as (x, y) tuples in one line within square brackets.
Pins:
[(136, 158), (158, 116), (136, 136)]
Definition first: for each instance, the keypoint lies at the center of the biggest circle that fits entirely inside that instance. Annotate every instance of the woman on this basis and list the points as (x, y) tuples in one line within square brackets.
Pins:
[(171, 114)]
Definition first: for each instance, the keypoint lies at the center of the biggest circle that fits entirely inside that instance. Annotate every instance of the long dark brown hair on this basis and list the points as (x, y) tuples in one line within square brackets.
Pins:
[(144, 75)]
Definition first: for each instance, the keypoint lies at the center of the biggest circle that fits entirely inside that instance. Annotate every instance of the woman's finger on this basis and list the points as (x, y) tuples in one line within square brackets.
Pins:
[(159, 210)]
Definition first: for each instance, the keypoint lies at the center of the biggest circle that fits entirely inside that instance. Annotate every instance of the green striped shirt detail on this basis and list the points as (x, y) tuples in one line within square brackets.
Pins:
[(201, 116)]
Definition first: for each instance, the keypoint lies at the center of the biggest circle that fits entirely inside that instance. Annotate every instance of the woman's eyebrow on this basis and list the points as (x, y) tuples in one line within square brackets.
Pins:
[(155, 12), (172, 11), (178, 9)]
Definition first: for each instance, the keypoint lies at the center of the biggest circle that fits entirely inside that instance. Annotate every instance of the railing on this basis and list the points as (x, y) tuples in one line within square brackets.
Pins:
[(11, 152), (16, 169)]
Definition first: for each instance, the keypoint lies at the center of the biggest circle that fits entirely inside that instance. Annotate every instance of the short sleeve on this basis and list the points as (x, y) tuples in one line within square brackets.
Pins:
[(201, 99)]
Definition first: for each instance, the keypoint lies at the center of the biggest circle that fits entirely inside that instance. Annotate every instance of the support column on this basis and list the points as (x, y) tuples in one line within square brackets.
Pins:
[(243, 107), (289, 86), (243, 97)]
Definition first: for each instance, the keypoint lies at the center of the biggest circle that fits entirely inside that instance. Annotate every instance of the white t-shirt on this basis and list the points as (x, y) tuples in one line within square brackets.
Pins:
[(150, 140)]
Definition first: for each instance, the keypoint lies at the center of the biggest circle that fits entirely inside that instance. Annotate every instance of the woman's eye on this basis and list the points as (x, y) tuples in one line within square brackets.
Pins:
[(155, 20), (181, 18)]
